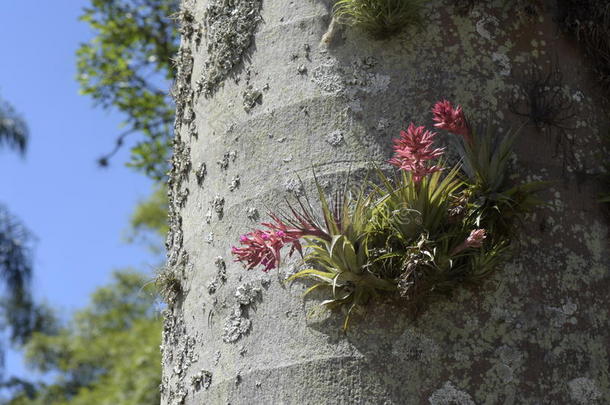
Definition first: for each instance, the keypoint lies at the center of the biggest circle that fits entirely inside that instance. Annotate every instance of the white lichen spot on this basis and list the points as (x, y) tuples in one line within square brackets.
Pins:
[(220, 264), (209, 238), (218, 204), (584, 390), (503, 61), (227, 157), (229, 32), (596, 240), (378, 83), (252, 213), (510, 359), (578, 96), (202, 379), (413, 346), (247, 293), (236, 325), (251, 97), (505, 373), (293, 186), (383, 124), (335, 138), (235, 182), (482, 30), (328, 78), (449, 395), (563, 314)]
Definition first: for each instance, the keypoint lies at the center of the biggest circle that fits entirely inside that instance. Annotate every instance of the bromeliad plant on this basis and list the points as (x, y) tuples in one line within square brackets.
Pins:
[(380, 18), (416, 235)]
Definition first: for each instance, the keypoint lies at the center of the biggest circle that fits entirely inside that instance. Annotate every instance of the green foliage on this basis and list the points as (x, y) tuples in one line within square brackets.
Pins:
[(107, 354), (486, 159), (13, 130), (341, 261), (408, 207), (151, 214), (126, 66), (420, 240), (421, 243), (496, 204), (380, 18), (148, 222), (16, 274), (18, 312)]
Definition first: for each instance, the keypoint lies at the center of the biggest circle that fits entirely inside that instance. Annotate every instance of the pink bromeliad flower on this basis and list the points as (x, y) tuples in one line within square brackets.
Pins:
[(261, 247), (451, 119), (474, 240), (413, 149)]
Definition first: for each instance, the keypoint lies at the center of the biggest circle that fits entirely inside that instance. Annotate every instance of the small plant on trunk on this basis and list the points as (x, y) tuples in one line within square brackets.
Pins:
[(380, 18)]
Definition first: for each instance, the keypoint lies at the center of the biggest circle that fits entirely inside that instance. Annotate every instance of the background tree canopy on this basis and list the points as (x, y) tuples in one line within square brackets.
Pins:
[(13, 129), (108, 353), (18, 313), (127, 66)]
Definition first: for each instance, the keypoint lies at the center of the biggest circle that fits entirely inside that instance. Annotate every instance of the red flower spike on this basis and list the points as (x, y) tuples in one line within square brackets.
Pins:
[(451, 119), (413, 149), (260, 247), (263, 247)]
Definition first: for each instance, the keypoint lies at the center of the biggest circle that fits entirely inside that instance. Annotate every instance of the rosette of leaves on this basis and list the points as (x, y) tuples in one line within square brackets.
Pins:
[(421, 234), (495, 203), (380, 18), (340, 261)]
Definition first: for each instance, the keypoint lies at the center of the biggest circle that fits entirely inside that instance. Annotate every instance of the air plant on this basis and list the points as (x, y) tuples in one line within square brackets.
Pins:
[(542, 100), (168, 285), (341, 264), (415, 236), (380, 18), (495, 202)]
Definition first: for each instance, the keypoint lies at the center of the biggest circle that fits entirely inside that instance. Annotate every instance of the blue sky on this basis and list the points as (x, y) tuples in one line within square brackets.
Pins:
[(77, 211)]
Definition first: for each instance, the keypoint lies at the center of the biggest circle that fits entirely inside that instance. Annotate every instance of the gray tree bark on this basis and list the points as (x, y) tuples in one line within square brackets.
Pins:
[(261, 98)]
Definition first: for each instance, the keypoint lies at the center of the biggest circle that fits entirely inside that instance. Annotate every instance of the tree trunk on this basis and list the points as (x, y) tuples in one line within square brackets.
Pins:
[(261, 99)]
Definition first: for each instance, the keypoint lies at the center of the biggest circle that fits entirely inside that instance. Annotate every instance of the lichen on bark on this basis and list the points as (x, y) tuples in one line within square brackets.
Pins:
[(229, 32)]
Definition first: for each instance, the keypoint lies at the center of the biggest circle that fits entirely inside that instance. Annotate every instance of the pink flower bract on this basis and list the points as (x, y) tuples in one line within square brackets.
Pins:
[(451, 119), (262, 247), (413, 149), (474, 240)]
